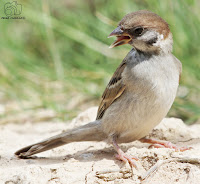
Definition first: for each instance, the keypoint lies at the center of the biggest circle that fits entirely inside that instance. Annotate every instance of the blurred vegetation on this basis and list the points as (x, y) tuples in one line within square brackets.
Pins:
[(58, 57)]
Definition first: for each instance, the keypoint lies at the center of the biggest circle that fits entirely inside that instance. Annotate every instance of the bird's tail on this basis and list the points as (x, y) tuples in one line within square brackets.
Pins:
[(88, 132)]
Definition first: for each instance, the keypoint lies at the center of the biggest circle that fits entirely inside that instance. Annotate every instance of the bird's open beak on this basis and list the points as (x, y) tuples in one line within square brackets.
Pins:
[(122, 38)]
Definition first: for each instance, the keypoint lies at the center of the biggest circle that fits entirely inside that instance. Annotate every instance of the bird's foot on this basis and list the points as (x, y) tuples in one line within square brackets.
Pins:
[(164, 144), (124, 157)]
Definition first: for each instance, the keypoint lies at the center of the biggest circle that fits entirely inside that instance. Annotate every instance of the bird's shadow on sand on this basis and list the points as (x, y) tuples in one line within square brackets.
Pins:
[(85, 155), (91, 155)]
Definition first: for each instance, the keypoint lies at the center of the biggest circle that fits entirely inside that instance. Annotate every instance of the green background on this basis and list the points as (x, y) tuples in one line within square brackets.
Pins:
[(58, 57)]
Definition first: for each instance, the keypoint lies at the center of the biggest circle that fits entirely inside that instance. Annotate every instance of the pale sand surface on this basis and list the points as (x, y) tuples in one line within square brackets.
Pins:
[(93, 162)]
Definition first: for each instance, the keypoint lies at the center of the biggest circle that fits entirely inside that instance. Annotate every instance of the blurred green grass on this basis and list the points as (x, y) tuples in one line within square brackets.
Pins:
[(58, 57)]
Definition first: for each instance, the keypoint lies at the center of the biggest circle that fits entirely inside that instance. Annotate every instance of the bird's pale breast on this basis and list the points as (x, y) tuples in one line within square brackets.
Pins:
[(147, 99)]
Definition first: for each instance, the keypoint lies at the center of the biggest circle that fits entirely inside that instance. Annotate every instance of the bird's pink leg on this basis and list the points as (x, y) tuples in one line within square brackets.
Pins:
[(123, 156), (164, 144)]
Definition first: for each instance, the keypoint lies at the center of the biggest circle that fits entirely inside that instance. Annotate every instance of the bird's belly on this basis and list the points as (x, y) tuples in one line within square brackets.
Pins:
[(136, 115), (139, 127)]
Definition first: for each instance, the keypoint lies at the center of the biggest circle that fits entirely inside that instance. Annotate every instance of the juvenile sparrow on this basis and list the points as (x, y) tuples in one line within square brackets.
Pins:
[(139, 94)]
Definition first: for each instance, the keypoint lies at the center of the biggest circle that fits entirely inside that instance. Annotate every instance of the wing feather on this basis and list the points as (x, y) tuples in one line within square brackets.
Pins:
[(114, 90)]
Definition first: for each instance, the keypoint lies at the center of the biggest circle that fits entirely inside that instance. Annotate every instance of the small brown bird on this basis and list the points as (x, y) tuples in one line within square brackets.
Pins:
[(138, 96)]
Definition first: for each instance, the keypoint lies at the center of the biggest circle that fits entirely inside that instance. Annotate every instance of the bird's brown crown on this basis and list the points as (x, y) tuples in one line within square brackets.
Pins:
[(145, 19)]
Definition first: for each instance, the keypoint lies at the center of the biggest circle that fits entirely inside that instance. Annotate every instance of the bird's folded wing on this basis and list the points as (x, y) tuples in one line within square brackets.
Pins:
[(113, 91)]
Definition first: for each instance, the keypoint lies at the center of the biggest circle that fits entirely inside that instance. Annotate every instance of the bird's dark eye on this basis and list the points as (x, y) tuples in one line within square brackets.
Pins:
[(138, 31)]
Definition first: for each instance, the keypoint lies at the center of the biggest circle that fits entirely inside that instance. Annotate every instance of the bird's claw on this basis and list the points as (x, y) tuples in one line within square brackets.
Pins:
[(124, 157), (169, 145), (164, 144)]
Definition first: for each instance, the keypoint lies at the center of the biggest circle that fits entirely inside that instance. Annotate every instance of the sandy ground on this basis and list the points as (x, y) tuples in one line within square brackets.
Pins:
[(92, 162)]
